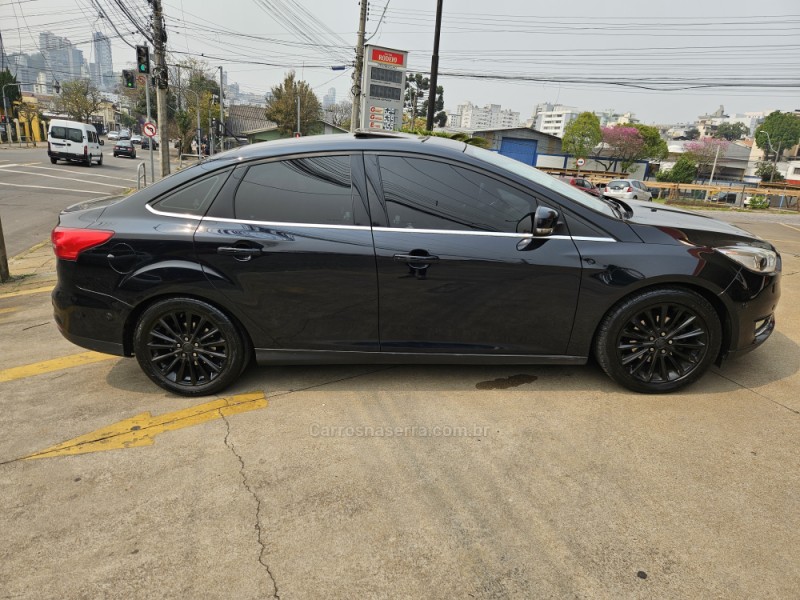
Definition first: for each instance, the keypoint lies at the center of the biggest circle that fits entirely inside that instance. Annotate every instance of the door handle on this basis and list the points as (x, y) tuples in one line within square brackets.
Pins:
[(415, 258), (239, 252)]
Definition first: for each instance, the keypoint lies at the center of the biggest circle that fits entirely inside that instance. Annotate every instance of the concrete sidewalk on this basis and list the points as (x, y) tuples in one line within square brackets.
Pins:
[(31, 271)]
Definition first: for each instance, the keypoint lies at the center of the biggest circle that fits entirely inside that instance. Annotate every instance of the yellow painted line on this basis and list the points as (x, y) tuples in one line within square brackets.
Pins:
[(38, 290), (57, 364), (791, 227), (11, 309), (142, 429)]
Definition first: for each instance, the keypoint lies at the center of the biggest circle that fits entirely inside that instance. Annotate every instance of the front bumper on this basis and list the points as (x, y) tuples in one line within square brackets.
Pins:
[(754, 298)]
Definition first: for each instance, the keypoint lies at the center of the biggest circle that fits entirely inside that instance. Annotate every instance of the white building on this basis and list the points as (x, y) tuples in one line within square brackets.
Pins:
[(610, 118), (491, 116), (552, 118), (329, 99)]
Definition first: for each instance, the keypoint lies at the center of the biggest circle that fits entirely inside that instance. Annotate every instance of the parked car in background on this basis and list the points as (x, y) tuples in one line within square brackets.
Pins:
[(146, 143), (125, 148), (112, 135), (124, 134), (136, 139), (582, 184), (627, 189), (384, 248)]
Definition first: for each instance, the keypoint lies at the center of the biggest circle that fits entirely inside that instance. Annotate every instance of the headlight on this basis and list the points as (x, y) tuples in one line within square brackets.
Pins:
[(752, 258)]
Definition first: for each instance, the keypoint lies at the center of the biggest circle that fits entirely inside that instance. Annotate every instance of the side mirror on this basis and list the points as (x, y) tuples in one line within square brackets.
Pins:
[(544, 221)]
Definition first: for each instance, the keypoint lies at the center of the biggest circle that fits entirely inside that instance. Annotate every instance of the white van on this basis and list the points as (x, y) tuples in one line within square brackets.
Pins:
[(74, 142)]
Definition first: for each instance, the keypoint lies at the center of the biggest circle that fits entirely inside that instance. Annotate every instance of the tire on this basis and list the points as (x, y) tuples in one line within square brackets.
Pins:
[(53, 160), (658, 340), (100, 162), (115, 155), (88, 162), (218, 346), (636, 197)]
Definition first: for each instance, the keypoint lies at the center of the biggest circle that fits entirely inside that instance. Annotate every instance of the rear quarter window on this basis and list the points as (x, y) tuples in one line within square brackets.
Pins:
[(192, 199)]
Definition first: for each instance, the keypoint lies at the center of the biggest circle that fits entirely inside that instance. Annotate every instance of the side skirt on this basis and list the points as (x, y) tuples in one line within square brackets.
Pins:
[(321, 357)]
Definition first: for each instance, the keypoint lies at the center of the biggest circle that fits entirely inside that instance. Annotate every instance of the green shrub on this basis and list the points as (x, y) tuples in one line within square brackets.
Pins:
[(759, 202)]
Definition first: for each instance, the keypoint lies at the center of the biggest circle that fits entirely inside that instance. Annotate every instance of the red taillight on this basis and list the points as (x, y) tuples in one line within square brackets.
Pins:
[(630, 189), (68, 243)]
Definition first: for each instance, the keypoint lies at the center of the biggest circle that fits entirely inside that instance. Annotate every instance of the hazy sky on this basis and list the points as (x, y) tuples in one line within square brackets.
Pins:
[(582, 53)]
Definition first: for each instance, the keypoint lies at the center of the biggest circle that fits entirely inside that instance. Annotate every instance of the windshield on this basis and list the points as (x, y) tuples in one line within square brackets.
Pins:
[(535, 175)]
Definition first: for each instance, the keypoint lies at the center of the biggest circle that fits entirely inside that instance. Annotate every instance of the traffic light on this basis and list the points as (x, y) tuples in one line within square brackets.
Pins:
[(129, 78), (143, 59)]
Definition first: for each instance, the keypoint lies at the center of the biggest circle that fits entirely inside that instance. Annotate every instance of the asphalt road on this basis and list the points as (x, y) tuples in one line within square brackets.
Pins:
[(395, 482), (33, 191)]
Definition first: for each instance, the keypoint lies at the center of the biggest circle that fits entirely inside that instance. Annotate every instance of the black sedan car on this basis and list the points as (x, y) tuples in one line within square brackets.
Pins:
[(124, 148), (391, 249)]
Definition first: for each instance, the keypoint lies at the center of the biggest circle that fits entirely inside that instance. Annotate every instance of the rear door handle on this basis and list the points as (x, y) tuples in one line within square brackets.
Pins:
[(415, 258)]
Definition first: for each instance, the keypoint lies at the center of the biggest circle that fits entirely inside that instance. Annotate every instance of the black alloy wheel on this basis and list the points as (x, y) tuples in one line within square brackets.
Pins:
[(659, 340), (189, 347)]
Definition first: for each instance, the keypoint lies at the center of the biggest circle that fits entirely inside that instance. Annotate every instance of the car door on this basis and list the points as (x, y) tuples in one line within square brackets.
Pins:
[(454, 276), (288, 242)]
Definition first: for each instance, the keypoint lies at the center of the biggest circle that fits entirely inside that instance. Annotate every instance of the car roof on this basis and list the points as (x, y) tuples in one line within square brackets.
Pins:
[(359, 141)]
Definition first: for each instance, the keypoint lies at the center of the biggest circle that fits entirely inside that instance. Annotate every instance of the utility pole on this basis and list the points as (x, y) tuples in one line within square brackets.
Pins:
[(434, 67), (355, 115), (151, 144), (221, 112), (298, 113), (162, 82)]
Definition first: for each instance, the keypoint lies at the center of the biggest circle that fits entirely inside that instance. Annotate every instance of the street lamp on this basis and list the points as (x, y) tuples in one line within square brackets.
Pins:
[(775, 163), (197, 96)]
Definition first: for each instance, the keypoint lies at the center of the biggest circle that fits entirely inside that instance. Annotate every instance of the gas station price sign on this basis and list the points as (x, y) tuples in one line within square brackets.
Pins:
[(384, 81)]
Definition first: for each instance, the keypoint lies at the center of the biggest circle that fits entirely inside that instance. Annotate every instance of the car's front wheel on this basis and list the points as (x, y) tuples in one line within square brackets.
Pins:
[(659, 340), (189, 347)]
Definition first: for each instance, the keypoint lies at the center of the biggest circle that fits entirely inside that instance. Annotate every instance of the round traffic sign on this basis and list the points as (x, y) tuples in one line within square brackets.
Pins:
[(580, 162), (149, 129)]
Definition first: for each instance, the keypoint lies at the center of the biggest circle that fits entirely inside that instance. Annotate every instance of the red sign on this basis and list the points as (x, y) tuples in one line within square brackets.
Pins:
[(149, 129), (387, 57)]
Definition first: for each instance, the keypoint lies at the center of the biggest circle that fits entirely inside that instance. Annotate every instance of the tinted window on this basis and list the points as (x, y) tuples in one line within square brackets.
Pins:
[(304, 190), (425, 194), (66, 133), (192, 199)]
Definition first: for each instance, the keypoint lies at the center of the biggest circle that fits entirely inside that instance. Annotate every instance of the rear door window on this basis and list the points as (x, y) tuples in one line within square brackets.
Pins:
[(315, 190), (67, 133)]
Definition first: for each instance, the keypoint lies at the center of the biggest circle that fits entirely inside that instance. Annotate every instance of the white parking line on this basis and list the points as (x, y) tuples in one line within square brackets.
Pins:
[(44, 187), (82, 173), (111, 185), (11, 165), (791, 226)]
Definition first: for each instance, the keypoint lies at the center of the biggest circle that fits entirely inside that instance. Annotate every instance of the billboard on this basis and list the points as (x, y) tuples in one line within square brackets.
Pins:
[(383, 85)]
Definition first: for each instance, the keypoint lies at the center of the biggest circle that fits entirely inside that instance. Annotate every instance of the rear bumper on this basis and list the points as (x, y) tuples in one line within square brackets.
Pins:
[(90, 320), (66, 155)]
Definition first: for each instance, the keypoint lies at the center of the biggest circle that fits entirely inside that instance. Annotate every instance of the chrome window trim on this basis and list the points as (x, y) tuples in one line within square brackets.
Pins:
[(161, 213), (279, 224)]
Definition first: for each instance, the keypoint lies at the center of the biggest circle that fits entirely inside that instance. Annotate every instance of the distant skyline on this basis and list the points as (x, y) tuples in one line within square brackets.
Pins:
[(584, 54)]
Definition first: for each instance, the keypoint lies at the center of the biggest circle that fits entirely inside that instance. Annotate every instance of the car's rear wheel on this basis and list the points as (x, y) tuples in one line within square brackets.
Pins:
[(100, 162), (189, 347), (89, 161), (53, 160), (659, 340)]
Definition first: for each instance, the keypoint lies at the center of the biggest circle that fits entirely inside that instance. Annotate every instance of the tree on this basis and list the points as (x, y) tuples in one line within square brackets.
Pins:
[(705, 151), (655, 148), (684, 171), (768, 172), (731, 131), (779, 129), (416, 93), (624, 144), (12, 92), (692, 133), (582, 135), (339, 113), (417, 96), (79, 99), (282, 107)]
